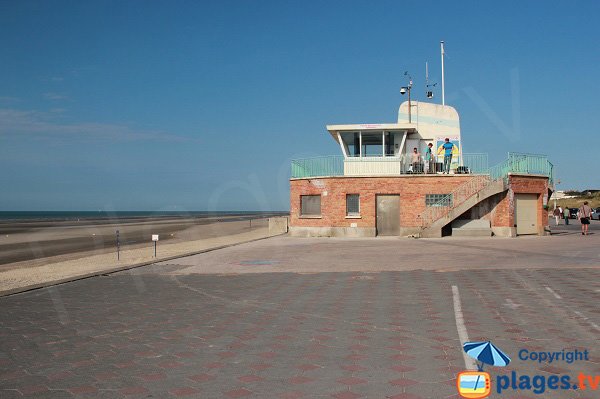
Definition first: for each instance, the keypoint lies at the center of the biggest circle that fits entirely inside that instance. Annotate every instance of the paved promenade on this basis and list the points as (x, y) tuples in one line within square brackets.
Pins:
[(297, 318)]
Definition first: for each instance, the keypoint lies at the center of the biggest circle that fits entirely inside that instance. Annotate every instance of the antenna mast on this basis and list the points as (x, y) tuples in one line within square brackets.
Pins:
[(442, 50)]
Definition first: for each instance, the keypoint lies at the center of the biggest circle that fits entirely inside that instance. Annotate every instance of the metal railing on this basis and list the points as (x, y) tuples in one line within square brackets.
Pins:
[(531, 164), (337, 165), (330, 165), (445, 204), (476, 162)]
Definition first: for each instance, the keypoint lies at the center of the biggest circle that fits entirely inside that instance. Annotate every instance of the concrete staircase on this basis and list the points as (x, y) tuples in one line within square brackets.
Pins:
[(471, 228), (492, 187)]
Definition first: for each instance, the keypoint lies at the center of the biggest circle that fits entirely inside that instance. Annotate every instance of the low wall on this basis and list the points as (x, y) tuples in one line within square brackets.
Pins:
[(278, 225)]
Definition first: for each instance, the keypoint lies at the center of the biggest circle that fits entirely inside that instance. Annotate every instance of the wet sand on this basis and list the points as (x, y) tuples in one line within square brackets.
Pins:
[(30, 243)]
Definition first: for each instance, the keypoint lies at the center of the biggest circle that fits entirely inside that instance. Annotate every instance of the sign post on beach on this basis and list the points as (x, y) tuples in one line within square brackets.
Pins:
[(118, 247), (155, 239)]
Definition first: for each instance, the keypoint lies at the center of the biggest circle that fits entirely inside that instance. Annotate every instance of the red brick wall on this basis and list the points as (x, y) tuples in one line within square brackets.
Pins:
[(531, 185), (412, 190)]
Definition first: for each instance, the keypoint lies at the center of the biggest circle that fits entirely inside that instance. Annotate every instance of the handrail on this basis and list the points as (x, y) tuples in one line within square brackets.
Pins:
[(515, 163)]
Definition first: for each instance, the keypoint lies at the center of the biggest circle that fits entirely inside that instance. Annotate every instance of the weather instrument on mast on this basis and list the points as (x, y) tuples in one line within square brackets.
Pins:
[(428, 90)]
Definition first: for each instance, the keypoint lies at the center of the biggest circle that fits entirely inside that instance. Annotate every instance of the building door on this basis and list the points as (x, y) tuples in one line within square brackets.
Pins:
[(388, 215), (526, 213)]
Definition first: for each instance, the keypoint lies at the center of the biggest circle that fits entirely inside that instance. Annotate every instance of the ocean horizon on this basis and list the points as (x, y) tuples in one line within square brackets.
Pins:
[(96, 215)]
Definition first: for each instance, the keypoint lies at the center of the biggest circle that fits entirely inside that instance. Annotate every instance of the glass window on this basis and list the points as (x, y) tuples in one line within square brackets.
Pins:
[(438, 199), (389, 143), (351, 141), (372, 144), (352, 205), (310, 205)]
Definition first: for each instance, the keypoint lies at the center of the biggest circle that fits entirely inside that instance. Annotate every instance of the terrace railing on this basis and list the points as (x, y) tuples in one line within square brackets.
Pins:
[(337, 165), (331, 165)]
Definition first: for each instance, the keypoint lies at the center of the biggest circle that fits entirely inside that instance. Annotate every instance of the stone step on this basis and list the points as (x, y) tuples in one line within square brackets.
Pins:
[(472, 232), (471, 224)]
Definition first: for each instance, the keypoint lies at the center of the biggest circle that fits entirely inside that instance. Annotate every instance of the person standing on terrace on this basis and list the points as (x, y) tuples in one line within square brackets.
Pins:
[(447, 146), (429, 159)]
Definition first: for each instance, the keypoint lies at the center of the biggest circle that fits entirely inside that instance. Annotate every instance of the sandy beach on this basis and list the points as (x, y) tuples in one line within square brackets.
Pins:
[(36, 241), (60, 251)]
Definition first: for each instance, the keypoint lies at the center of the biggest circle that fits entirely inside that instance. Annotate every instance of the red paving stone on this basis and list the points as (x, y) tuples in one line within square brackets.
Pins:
[(82, 390), (308, 367), (203, 377), (402, 369), (407, 396), (300, 379), (346, 395), (292, 395), (136, 390), (250, 378), (153, 377), (260, 366), (184, 391), (238, 393), (353, 367), (403, 382), (351, 381), (33, 389)]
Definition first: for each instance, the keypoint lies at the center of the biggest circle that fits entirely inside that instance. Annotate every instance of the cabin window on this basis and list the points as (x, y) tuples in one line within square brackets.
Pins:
[(352, 205), (438, 199), (372, 144), (310, 205), (389, 143), (351, 141)]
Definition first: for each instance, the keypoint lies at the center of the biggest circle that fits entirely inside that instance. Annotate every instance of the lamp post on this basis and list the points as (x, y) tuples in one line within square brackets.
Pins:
[(405, 89)]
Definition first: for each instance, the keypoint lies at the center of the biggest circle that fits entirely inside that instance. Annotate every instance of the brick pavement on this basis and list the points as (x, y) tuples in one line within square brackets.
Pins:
[(159, 332)]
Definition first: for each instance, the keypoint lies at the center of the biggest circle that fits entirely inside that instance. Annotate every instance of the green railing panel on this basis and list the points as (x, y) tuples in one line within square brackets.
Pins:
[(332, 165), (476, 162)]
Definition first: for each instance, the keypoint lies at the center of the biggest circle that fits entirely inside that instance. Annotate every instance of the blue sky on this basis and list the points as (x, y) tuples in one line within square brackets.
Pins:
[(197, 105)]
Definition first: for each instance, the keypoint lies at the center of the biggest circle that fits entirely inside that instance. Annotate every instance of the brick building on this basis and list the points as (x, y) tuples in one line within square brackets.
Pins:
[(382, 184)]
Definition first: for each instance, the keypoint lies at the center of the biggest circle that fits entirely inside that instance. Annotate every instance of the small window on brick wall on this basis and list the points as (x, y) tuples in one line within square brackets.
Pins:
[(438, 199), (352, 205), (310, 205)]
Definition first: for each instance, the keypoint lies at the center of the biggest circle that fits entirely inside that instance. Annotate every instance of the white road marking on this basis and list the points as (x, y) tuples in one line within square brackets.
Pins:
[(550, 290), (577, 312), (461, 329), (591, 323), (509, 303)]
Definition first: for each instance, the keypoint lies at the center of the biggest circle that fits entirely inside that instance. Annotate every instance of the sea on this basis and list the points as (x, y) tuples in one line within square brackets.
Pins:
[(101, 215)]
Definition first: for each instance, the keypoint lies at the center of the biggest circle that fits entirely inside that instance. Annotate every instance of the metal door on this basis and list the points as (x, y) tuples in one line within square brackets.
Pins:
[(526, 213), (388, 215)]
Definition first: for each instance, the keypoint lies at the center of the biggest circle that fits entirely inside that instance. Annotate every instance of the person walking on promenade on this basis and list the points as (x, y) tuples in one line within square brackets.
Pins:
[(447, 146), (566, 215), (585, 213), (556, 214), (560, 212), (429, 159)]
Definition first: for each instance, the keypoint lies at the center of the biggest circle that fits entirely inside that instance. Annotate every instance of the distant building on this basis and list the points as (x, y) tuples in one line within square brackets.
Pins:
[(561, 194), (378, 187)]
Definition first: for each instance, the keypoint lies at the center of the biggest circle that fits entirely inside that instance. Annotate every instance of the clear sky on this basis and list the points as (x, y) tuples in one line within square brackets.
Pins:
[(200, 105)]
